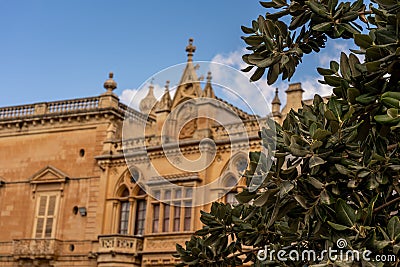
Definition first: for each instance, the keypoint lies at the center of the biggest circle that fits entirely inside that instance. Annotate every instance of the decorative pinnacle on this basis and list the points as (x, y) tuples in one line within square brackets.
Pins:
[(166, 86), (110, 84), (209, 77), (276, 98), (190, 49), (151, 86)]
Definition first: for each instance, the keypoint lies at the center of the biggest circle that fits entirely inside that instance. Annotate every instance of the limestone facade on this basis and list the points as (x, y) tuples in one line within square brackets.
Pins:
[(74, 192)]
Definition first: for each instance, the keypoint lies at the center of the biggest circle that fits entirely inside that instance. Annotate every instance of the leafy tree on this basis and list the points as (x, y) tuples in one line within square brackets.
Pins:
[(335, 169)]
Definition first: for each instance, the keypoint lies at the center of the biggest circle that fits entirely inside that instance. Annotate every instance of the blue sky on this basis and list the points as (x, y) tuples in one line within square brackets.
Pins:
[(54, 50)]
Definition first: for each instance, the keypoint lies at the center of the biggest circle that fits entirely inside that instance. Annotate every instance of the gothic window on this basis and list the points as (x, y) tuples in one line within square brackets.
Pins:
[(231, 184), (172, 209), (45, 215), (124, 213), (132, 213), (135, 175), (241, 164), (140, 213)]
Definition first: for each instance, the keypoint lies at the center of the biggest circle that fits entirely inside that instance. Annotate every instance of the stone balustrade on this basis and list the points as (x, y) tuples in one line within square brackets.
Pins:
[(79, 105), (120, 244), (36, 248), (17, 111), (73, 105)]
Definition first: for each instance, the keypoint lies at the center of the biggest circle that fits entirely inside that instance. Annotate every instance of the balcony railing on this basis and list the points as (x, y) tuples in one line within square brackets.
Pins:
[(120, 244), (66, 106), (36, 248)]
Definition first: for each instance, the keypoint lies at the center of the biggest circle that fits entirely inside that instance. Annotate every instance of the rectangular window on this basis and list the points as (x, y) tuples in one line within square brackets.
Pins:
[(166, 218), (177, 217), (174, 213), (124, 218), (140, 217), (156, 217), (187, 216), (46, 212)]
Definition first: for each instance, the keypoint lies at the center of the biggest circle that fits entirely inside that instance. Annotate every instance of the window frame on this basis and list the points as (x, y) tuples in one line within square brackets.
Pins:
[(179, 207), (46, 217)]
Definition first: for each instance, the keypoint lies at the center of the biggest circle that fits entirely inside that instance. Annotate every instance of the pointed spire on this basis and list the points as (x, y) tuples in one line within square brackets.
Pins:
[(147, 104), (110, 84), (189, 85), (276, 106), (276, 99), (165, 102), (190, 49), (208, 90)]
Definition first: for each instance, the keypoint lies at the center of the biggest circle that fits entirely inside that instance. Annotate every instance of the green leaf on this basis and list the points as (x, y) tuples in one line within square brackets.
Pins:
[(345, 213), (257, 74), (302, 201), (334, 66), (245, 196), (315, 161), (394, 228), (322, 26), (352, 94), (325, 198), (263, 199), (285, 188), (273, 73), (325, 71), (338, 227), (247, 30), (268, 4), (321, 134), (315, 183), (365, 99), (332, 80), (247, 69), (363, 40), (344, 66)]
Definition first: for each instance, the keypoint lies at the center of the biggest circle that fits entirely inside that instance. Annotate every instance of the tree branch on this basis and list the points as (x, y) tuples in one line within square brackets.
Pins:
[(397, 199)]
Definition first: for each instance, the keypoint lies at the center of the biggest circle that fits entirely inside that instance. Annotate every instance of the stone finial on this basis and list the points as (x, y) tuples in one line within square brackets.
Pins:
[(165, 102), (110, 84), (149, 101), (209, 77), (208, 90), (190, 49)]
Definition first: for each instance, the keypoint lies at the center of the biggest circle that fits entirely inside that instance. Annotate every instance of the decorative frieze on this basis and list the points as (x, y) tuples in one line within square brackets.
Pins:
[(120, 244)]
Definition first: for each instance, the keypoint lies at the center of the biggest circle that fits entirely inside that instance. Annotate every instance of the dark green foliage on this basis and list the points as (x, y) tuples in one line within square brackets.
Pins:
[(335, 166)]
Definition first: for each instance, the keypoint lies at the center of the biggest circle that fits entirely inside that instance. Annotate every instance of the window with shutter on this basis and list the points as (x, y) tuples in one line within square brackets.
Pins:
[(46, 211)]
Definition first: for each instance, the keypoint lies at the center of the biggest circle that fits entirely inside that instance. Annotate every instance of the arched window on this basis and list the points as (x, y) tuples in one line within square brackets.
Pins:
[(124, 212), (132, 211), (231, 184)]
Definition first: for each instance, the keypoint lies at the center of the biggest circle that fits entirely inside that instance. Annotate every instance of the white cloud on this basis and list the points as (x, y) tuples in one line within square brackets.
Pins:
[(332, 52), (250, 96), (247, 90), (311, 87)]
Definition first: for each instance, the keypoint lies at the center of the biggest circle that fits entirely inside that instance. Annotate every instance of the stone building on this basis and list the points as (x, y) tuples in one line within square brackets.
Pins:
[(75, 192)]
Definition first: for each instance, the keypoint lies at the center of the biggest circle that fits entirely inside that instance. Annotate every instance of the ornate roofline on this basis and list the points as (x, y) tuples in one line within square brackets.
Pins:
[(69, 107)]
